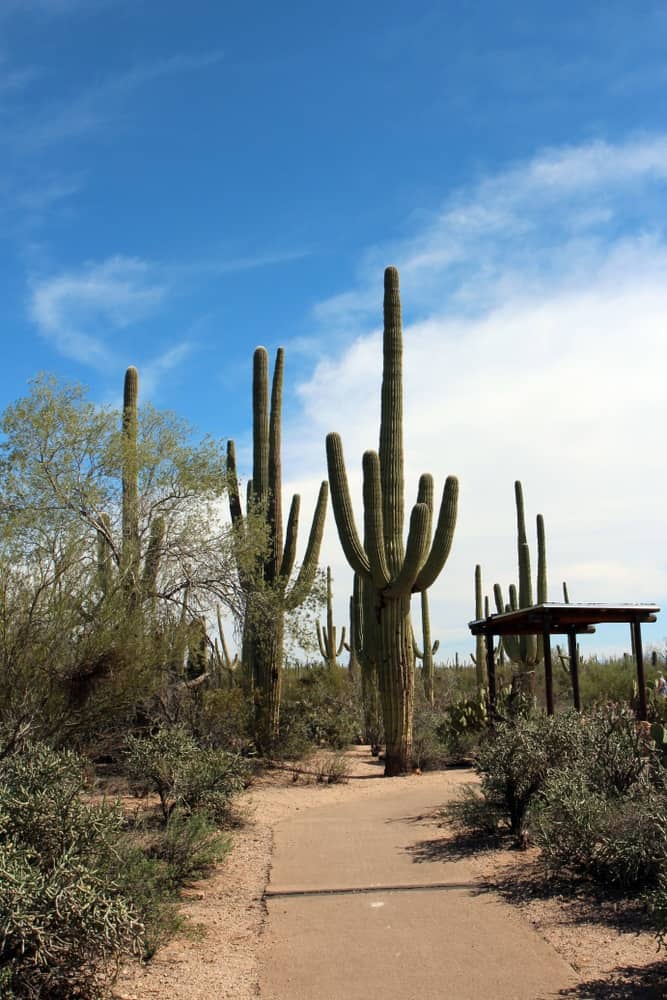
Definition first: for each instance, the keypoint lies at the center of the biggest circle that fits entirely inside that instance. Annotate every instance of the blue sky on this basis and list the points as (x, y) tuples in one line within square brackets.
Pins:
[(179, 183)]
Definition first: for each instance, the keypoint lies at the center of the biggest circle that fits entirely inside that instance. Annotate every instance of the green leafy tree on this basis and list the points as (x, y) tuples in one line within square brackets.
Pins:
[(68, 629)]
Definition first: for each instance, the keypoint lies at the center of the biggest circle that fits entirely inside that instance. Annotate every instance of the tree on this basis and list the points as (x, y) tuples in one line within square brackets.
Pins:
[(64, 547)]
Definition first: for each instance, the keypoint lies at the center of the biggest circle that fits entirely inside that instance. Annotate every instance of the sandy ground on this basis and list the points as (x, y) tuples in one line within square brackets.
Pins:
[(603, 941)]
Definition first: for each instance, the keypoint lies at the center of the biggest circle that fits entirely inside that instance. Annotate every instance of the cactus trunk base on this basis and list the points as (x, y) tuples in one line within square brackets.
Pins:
[(266, 664), (396, 670)]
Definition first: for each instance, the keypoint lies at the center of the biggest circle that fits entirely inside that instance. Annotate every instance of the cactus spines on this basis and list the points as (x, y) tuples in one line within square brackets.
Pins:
[(326, 637), (392, 569), (266, 585), (428, 651), (130, 485)]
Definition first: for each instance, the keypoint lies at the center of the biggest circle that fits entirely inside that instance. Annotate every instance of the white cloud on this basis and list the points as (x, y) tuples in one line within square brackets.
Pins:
[(535, 348), (76, 311)]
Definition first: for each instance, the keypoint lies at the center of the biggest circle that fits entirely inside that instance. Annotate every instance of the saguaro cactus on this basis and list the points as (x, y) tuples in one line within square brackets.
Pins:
[(525, 650), (266, 585), (130, 554), (428, 650), (326, 637), (363, 637), (392, 569)]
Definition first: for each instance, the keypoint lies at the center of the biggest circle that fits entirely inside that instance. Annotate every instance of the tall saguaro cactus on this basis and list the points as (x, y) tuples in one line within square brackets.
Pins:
[(393, 569), (428, 650), (267, 584), (525, 650), (130, 553), (326, 637)]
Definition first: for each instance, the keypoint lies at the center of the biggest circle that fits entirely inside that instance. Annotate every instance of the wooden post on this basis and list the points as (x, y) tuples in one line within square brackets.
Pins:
[(491, 672), (574, 667), (639, 657), (548, 672)]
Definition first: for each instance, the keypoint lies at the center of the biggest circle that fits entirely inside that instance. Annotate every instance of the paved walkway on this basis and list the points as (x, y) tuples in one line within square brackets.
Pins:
[(360, 907)]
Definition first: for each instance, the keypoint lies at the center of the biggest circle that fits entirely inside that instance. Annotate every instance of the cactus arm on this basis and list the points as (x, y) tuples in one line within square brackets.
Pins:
[(520, 514), (566, 596), (321, 642), (304, 580), (436, 646), (419, 653), (235, 511), (274, 511), (260, 424), (444, 535), (514, 600), (342, 644), (373, 520), (498, 598), (289, 554), (425, 495), (542, 593), (342, 507), (415, 551)]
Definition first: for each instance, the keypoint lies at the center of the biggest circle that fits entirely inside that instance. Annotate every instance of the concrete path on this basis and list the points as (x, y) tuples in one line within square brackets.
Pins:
[(360, 907)]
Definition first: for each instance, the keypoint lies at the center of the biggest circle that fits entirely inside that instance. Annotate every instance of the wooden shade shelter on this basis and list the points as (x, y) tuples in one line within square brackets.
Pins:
[(565, 619)]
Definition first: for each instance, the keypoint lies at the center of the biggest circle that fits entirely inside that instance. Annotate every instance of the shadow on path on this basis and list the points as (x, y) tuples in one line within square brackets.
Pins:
[(628, 983)]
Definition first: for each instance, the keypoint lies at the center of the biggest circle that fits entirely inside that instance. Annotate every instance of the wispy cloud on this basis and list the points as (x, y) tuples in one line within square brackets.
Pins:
[(154, 370), (97, 106), (77, 311), (535, 348)]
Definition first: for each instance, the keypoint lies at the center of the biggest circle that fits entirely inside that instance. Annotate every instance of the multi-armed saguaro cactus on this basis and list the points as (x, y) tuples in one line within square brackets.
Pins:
[(525, 650), (428, 651), (326, 637), (392, 569), (266, 585)]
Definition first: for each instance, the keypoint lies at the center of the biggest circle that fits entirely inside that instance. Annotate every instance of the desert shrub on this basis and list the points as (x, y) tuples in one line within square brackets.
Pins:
[(657, 908), (474, 813), (171, 763), (515, 758), (156, 862), (65, 917), (319, 707), (618, 840), (226, 720)]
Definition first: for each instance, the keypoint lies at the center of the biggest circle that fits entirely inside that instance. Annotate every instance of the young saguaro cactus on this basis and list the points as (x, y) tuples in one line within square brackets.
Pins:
[(428, 651), (326, 637), (525, 650), (267, 586), (393, 569)]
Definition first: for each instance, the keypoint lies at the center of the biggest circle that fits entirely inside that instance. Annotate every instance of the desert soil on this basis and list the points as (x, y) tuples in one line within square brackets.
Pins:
[(603, 940)]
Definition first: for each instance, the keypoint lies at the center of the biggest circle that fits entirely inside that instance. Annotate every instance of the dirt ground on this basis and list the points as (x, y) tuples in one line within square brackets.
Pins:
[(602, 939)]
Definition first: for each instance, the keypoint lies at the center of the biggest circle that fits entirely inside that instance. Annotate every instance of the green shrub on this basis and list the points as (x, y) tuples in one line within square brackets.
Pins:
[(515, 758), (64, 915), (171, 763), (320, 707)]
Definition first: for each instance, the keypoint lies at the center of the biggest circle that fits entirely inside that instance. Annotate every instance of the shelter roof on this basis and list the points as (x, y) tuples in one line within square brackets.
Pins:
[(556, 618)]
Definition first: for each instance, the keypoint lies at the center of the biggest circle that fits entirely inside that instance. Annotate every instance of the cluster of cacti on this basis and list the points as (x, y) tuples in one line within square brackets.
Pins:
[(391, 569), (479, 656), (526, 651), (326, 636), (266, 584), (428, 650)]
